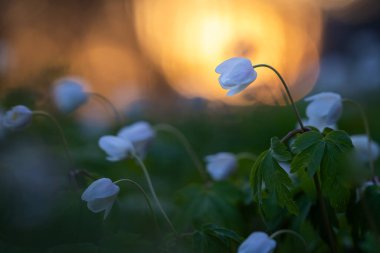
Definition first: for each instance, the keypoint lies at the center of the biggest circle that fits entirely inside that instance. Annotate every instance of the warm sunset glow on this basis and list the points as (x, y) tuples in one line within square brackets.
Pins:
[(188, 39)]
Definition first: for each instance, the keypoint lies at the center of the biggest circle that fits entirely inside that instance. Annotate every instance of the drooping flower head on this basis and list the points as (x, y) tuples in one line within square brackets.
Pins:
[(140, 134), (116, 148), (220, 165), (17, 118), (236, 74), (324, 109), (69, 94), (101, 195), (257, 242), (360, 143)]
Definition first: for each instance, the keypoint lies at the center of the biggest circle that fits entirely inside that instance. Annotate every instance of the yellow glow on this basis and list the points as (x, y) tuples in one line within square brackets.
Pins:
[(188, 39)]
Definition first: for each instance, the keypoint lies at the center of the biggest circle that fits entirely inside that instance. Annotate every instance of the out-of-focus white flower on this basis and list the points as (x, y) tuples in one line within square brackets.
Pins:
[(324, 109), (360, 143), (69, 94), (257, 242), (17, 118), (236, 74), (116, 148), (220, 165), (140, 134), (101, 195)]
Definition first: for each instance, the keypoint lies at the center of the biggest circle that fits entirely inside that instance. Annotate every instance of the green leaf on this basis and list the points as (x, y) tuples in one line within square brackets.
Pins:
[(224, 235), (279, 150), (325, 154), (267, 170), (306, 140), (309, 159)]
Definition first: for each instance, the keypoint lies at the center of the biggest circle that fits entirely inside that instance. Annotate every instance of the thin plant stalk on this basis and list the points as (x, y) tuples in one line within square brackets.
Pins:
[(291, 232), (287, 91), (60, 130), (145, 196), (153, 192), (181, 137), (107, 102), (368, 133)]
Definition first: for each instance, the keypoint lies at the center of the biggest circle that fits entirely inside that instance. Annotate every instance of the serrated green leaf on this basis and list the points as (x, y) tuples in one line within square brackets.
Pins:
[(305, 140), (279, 150), (267, 170), (309, 159), (340, 139), (224, 235), (333, 178), (315, 152)]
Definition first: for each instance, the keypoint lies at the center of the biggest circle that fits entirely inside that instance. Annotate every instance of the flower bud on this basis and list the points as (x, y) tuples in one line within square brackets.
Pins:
[(257, 242), (101, 195), (236, 74), (68, 94), (17, 118), (324, 109), (116, 148), (221, 165), (140, 134)]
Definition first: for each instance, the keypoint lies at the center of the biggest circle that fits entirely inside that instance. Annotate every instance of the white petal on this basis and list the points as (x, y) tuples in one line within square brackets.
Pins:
[(117, 148), (236, 90), (101, 188), (69, 94), (257, 242), (227, 64), (139, 131)]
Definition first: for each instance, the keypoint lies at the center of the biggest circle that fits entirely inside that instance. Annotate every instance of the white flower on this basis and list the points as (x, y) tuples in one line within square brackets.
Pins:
[(360, 143), (116, 148), (235, 74), (324, 109), (101, 195), (17, 118), (140, 134), (68, 94), (257, 242), (220, 165)]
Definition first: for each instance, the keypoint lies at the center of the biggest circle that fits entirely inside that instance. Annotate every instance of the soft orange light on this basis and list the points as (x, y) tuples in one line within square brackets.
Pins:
[(188, 39)]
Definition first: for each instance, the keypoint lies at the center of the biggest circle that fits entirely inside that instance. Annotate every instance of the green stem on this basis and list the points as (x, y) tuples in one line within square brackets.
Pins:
[(170, 129), (62, 135), (368, 133), (325, 217), (288, 231), (106, 101), (287, 91), (145, 196), (153, 192)]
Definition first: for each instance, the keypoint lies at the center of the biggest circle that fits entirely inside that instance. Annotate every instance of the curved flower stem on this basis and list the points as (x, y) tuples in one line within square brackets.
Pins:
[(246, 155), (286, 89), (145, 196), (291, 134), (107, 102), (170, 129), (367, 131), (153, 192), (288, 231), (62, 135)]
